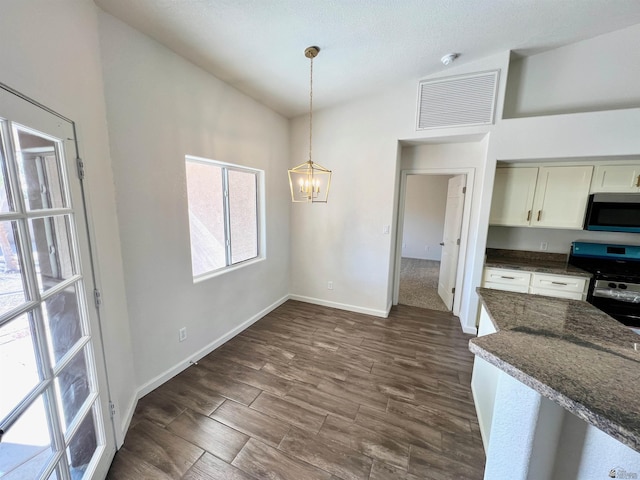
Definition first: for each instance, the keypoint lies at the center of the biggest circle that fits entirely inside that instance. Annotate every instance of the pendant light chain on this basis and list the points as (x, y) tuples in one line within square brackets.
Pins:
[(310, 109)]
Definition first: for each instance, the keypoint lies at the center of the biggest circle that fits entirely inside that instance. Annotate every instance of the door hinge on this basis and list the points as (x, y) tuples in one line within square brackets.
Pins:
[(458, 242), (453, 290), (464, 190), (80, 165), (112, 409), (97, 297)]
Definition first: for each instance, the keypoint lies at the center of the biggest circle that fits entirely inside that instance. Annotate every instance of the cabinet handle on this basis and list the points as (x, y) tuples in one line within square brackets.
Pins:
[(638, 181), (529, 214), (539, 214), (560, 283), (508, 278)]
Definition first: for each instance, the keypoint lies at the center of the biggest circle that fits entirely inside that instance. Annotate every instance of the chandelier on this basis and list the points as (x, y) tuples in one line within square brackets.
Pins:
[(309, 182)]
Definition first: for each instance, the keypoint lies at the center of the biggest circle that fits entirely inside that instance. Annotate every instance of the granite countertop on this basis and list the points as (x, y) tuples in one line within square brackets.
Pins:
[(570, 352), (540, 262)]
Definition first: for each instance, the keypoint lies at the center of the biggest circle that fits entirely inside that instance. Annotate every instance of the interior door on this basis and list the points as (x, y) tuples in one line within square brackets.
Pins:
[(53, 397), (451, 241)]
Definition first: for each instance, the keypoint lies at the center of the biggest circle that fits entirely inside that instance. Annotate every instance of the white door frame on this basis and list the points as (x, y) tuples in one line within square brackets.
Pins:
[(464, 234)]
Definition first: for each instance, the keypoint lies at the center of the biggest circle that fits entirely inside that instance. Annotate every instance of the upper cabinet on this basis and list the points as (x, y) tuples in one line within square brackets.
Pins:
[(616, 178), (545, 197), (513, 192)]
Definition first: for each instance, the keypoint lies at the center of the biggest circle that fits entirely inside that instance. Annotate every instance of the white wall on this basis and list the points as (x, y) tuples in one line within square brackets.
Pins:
[(424, 207), (558, 240), (160, 108), (343, 241), (50, 52), (595, 74)]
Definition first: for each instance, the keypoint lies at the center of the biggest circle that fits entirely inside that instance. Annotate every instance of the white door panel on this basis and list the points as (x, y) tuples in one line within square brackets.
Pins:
[(451, 245), (53, 396)]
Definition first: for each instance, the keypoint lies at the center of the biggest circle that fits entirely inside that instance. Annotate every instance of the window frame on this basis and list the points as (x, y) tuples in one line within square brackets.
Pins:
[(260, 217)]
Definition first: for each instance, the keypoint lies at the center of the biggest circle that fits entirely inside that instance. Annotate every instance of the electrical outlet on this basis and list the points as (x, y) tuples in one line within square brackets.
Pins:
[(330, 285), (426, 248), (386, 229), (182, 334), (544, 245)]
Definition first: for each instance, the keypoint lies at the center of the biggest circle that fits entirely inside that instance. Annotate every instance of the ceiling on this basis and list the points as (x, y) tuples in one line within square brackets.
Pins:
[(366, 45)]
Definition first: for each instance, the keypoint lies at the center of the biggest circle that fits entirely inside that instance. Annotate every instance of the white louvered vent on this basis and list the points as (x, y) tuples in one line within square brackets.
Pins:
[(457, 101)]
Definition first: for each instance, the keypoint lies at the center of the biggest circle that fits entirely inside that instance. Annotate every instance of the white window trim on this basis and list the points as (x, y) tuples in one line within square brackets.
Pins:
[(260, 217)]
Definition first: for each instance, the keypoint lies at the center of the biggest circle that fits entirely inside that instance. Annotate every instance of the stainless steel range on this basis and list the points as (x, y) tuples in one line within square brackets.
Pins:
[(615, 287)]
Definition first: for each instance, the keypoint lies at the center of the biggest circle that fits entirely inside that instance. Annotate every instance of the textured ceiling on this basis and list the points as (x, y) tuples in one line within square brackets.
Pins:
[(257, 45)]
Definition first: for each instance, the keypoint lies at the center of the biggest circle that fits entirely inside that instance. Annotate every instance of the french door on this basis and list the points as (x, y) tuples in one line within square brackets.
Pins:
[(54, 420)]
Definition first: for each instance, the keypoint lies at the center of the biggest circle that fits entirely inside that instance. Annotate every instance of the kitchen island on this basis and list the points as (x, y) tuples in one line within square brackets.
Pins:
[(556, 385)]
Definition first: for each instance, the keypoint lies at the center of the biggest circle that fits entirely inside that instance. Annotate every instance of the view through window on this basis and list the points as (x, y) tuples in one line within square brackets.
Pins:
[(223, 214)]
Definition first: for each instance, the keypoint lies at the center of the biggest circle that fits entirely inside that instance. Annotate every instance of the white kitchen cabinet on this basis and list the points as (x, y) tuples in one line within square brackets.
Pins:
[(513, 192), (616, 178), (522, 281), (561, 197), (562, 286), (545, 197), (504, 279)]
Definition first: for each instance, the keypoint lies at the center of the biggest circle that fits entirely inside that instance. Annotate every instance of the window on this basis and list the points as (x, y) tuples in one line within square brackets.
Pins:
[(224, 224)]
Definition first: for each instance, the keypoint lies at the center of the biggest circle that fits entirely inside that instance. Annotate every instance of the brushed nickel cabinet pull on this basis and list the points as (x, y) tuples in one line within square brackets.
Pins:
[(638, 181), (560, 283), (529, 214), (508, 278), (539, 214)]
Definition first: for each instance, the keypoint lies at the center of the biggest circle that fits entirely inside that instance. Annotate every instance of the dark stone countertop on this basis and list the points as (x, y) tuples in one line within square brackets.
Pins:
[(570, 352), (539, 262)]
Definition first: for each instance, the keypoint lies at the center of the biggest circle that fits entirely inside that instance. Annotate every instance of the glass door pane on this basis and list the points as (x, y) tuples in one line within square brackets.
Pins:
[(52, 389)]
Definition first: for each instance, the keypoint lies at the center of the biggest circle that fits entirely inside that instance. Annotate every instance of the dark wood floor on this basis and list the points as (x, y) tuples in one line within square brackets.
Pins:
[(311, 392)]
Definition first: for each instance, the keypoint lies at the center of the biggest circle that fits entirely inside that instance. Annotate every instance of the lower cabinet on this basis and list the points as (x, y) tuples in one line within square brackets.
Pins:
[(552, 285)]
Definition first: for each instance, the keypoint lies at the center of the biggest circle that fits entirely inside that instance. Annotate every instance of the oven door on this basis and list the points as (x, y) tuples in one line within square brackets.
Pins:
[(621, 301)]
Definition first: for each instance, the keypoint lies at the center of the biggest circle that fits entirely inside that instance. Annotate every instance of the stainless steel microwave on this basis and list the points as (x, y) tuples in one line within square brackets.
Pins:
[(613, 212)]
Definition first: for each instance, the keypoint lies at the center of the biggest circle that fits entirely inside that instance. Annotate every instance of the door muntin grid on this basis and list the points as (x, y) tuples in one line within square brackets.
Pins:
[(55, 416)]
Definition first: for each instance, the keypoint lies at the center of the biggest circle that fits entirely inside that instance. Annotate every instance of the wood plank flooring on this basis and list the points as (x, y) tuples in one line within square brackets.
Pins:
[(310, 392)]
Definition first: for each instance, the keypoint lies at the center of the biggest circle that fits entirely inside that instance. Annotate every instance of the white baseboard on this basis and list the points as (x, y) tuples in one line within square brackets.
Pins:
[(342, 306), (467, 329), (179, 367)]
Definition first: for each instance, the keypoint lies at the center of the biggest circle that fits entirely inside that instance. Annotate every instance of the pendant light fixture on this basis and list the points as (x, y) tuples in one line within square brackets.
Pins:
[(309, 182)]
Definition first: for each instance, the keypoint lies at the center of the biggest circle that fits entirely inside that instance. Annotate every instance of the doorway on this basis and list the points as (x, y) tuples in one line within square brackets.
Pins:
[(53, 395), (422, 234), (432, 230)]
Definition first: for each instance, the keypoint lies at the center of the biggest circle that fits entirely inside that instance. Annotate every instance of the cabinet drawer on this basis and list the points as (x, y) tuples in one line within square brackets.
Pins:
[(550, 292), (559, 283), (507, 277), (506, 287)]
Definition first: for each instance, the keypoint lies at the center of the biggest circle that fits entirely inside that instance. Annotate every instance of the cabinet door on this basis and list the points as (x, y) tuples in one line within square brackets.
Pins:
[(616, 178), (507, 287), (561, 197), (513, 194), (550, 292)]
